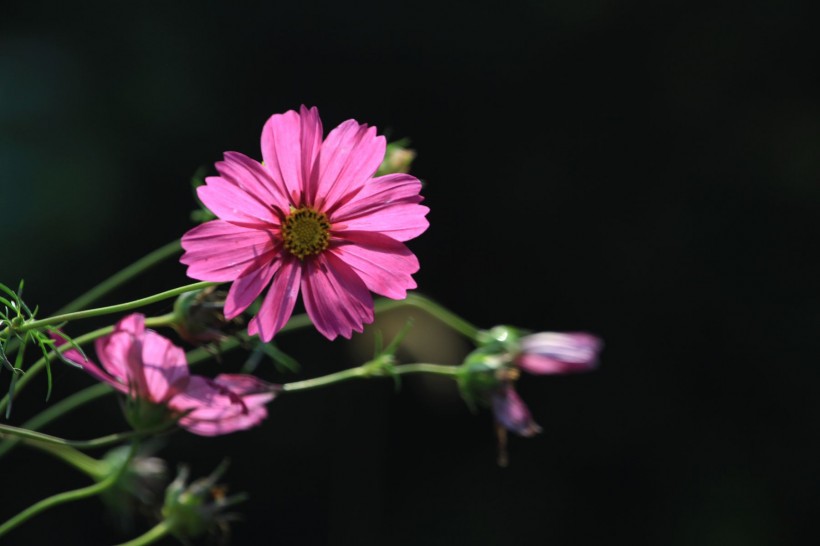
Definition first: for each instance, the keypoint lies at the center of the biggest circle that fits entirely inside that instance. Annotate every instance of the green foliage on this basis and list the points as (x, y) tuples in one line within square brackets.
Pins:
[(14, 313), (201, 214), (281, 360)]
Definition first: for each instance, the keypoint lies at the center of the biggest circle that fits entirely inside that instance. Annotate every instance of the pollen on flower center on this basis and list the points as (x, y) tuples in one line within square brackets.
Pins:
[(306, 232)]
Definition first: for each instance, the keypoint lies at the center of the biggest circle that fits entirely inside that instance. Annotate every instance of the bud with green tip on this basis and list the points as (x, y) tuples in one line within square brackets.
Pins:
[(193, 510)]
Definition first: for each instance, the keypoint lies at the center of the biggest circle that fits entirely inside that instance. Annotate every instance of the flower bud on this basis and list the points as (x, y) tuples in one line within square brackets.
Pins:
[(200, 319), (138, 489), (397, 158), (192, 510)]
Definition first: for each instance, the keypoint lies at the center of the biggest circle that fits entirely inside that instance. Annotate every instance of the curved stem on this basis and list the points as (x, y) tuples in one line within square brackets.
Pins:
[(59, 409), (67, 496), (367, 371), (57, 319), (441, 313), (122, 277), (160, 530), (90, 466), (102, 441)]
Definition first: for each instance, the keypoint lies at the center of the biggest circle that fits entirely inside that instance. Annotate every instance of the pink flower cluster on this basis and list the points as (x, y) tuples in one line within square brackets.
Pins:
[(150, 368), (310, 218)]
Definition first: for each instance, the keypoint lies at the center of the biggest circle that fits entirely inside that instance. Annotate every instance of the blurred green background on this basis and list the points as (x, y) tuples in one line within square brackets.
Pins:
[(647, 171)]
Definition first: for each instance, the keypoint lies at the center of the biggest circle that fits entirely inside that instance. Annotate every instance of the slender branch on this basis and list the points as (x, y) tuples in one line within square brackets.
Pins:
[(160, 530), (90, 466), (67, 496), (59, 409), (39, 437), (438, 311), (122, 277), (367, 370), (57, 319)]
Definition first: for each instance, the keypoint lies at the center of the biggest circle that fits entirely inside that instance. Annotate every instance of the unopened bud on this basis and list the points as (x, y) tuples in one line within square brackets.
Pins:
[(397, 158), (200, 318)]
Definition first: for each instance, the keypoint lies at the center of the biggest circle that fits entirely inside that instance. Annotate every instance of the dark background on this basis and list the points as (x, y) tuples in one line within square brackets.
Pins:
[(647, 171)]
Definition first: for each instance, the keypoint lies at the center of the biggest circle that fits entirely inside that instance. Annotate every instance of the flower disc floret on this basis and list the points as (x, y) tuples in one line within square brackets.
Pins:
[(305, 232)]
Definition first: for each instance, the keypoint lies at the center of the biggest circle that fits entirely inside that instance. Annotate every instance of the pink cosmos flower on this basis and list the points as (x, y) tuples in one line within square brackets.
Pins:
[(542, 353), (150, 368), (312, 219)]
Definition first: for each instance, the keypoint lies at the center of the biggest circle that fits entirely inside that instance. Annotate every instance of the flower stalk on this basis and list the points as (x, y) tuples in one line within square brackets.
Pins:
[(67, 496), (367, 371)]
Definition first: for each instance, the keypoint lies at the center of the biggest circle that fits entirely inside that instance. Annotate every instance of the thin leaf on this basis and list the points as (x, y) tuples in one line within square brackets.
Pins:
[(8, 291), (12, 384), (283, 361)]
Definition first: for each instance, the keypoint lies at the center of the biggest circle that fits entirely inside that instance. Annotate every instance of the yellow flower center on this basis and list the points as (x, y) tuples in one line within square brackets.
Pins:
[(306, 232)]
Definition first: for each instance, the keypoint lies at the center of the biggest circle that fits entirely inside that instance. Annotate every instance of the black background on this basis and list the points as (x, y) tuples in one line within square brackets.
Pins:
[(647, 171)]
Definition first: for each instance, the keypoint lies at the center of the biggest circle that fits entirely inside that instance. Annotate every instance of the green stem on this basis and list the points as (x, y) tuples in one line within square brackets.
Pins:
[(59, 409), (367, 370), (122, 277), (39, 437), (160, 530), (198, 355), (57, 319), (90, 466), (38, 366), (67, 496), (425, 304)]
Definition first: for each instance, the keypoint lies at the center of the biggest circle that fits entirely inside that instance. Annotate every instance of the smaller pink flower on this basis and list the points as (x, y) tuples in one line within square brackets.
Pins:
[(150, 368), (542, 353), (512, 413)]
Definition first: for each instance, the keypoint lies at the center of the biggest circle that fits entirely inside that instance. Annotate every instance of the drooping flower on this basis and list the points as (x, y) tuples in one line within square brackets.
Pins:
[(153, 372), (310, 218), (540, 354)]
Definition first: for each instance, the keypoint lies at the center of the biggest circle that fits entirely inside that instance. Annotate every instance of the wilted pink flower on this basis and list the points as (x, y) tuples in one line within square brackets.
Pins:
[(541, 353), (149, 368), (512, 413), (310, 218)]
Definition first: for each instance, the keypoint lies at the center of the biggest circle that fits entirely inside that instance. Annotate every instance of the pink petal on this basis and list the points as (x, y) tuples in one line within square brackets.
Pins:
[(254, 178), (133, 323), (221, 406), (279, 301), (388, 204), (232, 203), (511, 412), (247, 287), (119, 355), (336, 299), (350, 155), (384, 264), (120, 352), (555, 353), (312, 133), (243, 384), (219, 251), (290, 143), (87, 365), (164, 367)]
